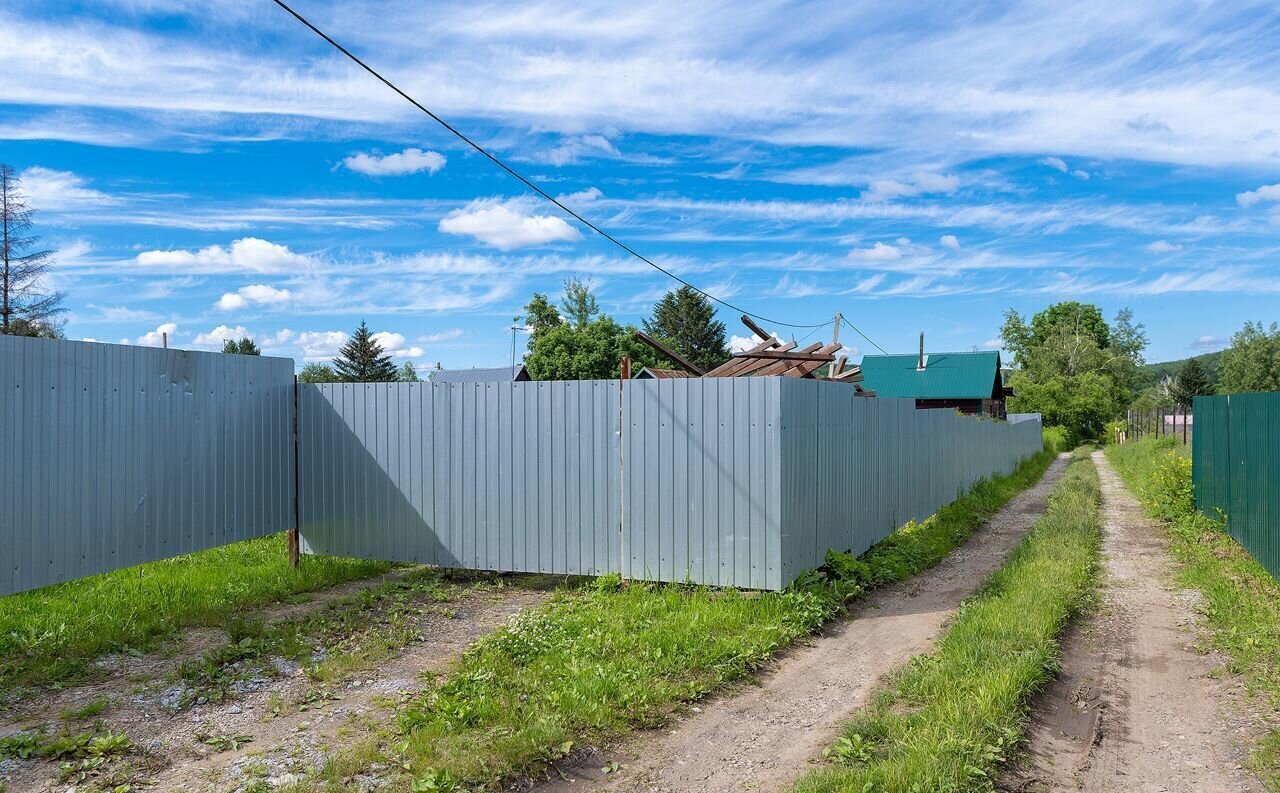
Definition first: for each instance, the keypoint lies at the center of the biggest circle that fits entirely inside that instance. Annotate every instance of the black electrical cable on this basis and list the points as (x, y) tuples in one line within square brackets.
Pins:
[(526, 181), (865, 336)]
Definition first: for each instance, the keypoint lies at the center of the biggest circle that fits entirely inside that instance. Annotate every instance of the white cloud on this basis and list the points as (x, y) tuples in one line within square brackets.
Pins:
[(246, 254), (394, 345), (507, 225), (47, 189), (320, 345), (260, 294), (1056, 163), (398, 164), (1163, 246), (1209, 343), (949, 241), (1268, 192), (580, 197), (574, 149), (1029, 79), (1081, 175), (880, 252), (741, 343), (155, 338), (216, 337), (921, 183), (990, 344)]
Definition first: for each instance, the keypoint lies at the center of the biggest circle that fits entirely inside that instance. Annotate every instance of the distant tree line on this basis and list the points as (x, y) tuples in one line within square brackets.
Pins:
[(1079, 371), (578, 341)]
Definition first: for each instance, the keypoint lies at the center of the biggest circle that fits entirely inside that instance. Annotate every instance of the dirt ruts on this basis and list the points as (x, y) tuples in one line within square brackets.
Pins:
[(1136, 708), (761, 738)]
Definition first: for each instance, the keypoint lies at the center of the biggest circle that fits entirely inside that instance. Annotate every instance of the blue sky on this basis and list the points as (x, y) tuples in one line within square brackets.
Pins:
[(214, 169)]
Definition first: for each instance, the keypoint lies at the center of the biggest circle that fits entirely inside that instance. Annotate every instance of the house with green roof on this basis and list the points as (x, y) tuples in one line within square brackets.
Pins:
[(969, 382)]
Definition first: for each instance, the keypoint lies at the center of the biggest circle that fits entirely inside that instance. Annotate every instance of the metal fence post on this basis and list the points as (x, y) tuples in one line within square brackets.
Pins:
[(624, 374), (297, 524)]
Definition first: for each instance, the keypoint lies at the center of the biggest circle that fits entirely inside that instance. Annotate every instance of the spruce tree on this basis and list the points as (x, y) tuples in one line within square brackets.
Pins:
[(685, 319), (361, 360), (1192, 381)]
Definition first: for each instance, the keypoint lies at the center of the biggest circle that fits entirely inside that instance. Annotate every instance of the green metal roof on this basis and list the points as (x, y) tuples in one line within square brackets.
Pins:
[(946, 375)]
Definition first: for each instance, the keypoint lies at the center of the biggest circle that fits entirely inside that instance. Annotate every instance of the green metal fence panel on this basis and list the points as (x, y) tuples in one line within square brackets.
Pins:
[(1235, 469)]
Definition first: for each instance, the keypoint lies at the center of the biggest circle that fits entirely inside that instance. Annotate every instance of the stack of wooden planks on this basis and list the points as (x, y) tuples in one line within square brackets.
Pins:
[(773, 357)]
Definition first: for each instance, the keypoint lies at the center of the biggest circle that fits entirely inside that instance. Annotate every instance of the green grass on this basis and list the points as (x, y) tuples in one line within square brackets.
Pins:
[(1241, 601), (947, 721), (601, 659), (50, 636)]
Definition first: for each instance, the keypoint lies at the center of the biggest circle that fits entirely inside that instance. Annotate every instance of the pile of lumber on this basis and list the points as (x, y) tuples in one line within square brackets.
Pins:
[(773, 357)]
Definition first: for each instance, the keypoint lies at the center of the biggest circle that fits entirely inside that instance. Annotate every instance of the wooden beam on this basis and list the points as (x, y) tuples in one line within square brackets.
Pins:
[(837, 367), (670, 354), (788, 356), (785, 367), (734, 366), (756, 329)]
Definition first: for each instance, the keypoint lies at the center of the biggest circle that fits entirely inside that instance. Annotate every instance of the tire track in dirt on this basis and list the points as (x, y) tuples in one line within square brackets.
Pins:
[(118, 670), (761, 738), (295, 740), (1135, 708)]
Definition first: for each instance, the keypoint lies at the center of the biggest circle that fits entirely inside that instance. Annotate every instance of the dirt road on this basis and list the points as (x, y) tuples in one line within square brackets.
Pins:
[(761, 738), (1135, 709)]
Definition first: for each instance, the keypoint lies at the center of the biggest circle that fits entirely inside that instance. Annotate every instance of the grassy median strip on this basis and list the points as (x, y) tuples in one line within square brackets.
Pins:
[(51, 635), (1241, 599), (947, 720), (602, 659)]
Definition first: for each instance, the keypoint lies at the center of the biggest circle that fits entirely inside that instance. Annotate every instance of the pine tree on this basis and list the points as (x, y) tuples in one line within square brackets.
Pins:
[(243, 347), (361, 360), (685, 319), (25, 309), (1192, 381)]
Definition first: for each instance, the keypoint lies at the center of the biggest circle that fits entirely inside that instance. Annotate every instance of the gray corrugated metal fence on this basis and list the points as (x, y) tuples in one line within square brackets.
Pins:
[(119, 455), (742, 482)]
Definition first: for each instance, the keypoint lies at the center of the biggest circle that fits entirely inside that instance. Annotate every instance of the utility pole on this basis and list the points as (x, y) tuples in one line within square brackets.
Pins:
[(835, 333)]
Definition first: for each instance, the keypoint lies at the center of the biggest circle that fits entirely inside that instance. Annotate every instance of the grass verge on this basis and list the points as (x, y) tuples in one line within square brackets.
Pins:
[(947, 720), (51, 635), (601, 659), (1241, 600)]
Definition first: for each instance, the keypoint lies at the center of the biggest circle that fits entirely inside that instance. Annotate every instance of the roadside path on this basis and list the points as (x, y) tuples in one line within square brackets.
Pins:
[(1135, 709), (761, 738)]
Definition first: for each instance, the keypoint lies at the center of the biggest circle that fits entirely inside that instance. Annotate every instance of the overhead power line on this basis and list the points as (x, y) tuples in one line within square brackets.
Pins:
[(527, 183), (865, 336)]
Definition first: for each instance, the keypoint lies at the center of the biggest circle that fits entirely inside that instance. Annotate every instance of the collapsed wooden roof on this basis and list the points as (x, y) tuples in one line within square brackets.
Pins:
[(773, 357)]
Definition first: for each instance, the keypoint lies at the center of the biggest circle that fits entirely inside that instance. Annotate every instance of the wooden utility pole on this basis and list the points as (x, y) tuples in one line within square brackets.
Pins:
[(835, 332)]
